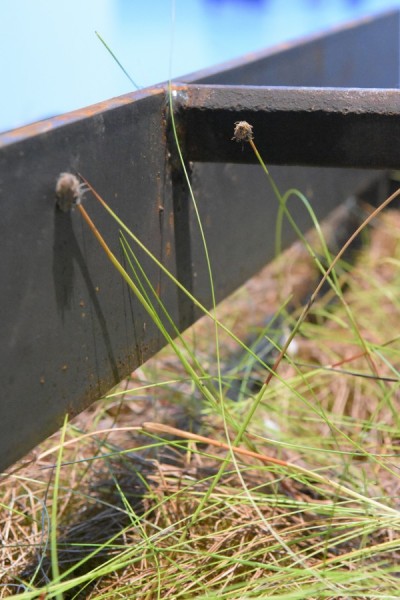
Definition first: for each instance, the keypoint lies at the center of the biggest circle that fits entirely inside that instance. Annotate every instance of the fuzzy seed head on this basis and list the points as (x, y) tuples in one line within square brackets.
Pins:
[(69, 191), (243, 131)]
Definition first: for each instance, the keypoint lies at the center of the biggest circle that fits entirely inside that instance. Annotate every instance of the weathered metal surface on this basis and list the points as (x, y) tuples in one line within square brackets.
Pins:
[(69, 326), (362, 53), (236, 204), (294, 126)]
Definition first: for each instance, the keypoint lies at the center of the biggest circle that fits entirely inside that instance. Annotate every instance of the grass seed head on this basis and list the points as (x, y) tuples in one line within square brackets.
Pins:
[(243, 131), (69, 191)]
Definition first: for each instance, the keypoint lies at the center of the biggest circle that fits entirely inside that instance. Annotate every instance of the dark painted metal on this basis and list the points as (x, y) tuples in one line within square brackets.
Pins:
[(69, 327), (294, 126), (235, 201), (360, 54)]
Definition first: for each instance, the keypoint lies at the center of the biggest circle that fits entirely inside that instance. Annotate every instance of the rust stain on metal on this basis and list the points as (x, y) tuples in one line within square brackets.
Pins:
[(41, 127)]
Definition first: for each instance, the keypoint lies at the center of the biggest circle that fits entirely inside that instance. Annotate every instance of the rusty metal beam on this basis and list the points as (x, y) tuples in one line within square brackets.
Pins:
[(293, 126)]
